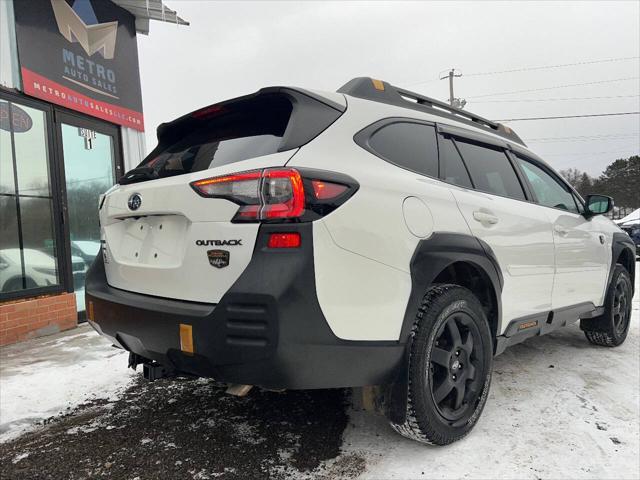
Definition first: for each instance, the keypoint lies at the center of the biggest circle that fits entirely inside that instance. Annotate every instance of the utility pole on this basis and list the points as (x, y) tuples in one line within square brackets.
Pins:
[(453, 101)]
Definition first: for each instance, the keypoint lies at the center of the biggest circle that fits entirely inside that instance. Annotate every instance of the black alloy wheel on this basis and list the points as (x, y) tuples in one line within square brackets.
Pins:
[(454, 361)]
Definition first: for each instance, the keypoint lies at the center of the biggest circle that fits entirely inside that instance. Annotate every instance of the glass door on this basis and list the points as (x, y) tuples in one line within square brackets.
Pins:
[(91, 160)]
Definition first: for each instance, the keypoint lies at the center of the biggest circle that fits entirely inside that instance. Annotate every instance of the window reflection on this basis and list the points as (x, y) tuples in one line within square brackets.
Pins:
[(28, 256), (89, 171)]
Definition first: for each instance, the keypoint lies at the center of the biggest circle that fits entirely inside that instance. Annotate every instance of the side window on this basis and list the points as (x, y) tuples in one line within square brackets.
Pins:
[(491, 170), (409, 145), (452, 170), (548, 191)]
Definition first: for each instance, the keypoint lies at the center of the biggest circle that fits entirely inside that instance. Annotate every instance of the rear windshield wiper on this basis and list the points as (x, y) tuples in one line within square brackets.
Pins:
[(140, 174)]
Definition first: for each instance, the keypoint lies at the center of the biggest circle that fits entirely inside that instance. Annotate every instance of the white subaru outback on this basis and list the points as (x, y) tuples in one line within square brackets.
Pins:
[(292, 239)]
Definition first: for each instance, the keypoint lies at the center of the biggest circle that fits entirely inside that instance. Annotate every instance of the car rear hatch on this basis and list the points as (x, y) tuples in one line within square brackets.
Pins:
[(159, 236)]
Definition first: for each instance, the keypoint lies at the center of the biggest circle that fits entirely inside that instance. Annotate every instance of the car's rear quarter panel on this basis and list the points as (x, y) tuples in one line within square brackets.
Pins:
[(363, 249)]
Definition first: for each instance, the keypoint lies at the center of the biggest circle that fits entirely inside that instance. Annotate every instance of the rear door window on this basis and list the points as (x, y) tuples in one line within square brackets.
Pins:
[(491, 170), (548, 191), (452, 169), (412, 146)]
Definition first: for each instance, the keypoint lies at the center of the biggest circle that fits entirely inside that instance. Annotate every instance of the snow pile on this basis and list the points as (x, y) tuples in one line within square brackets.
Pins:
[(48, 376)]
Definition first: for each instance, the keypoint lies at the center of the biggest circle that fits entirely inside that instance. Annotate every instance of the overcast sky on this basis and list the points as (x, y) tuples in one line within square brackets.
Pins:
[(234, 48)]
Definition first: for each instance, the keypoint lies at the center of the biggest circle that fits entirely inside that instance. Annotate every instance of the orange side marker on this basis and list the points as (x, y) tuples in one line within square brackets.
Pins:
[(186, 338)]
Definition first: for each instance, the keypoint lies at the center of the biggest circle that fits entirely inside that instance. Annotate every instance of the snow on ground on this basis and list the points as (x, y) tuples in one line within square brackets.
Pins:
[(558, 408), (46, 376)]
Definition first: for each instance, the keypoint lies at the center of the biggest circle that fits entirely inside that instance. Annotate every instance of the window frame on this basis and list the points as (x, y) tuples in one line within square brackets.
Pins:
[(76, 119), (554, 176), (57, 216), (443, 135), (363, 136), (473, 139)]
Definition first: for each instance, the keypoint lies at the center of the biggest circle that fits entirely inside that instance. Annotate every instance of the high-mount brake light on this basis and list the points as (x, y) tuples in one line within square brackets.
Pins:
[(207, 112), (262, 194)]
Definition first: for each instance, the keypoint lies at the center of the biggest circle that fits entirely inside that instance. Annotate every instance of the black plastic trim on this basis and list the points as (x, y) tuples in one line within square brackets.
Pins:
[(363, 87), (621, 241), (542, 323), (267, 330), (433, 255)]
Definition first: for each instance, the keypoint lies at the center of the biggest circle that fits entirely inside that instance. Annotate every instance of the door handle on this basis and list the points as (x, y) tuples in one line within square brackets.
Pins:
[(484, 217), (563, 232)]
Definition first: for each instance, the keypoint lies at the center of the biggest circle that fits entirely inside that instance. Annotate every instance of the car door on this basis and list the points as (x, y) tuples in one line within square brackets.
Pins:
[(582, 252), (498, 213)]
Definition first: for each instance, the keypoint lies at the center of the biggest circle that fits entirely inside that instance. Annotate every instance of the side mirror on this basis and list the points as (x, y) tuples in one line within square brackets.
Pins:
[(598, 205)]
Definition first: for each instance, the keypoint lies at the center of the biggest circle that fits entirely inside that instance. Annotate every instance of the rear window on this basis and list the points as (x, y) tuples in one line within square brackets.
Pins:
[(226, 135), (409, 145)]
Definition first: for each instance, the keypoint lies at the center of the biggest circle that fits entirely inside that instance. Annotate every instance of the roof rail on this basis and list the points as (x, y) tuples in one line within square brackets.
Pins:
[(379, 91)]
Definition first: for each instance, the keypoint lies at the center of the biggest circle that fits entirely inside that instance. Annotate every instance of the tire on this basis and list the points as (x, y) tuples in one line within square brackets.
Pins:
[(440, 361), (611, 328), (15, 284)]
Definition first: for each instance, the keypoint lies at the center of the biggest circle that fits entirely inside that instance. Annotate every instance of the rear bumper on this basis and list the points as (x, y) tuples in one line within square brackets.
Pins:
[(267, 330)]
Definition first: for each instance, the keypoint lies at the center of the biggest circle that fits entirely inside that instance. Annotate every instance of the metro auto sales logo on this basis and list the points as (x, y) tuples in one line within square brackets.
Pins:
[(78, 24)]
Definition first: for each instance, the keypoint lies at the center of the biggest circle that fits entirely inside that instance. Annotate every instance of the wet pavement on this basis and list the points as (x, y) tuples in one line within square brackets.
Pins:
[(189, 429)]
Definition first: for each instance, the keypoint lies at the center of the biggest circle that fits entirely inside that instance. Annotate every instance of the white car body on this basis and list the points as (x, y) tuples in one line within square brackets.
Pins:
[(292, 239)]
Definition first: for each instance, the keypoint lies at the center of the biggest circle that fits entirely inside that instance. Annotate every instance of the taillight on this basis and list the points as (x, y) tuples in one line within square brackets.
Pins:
[(276, 194), (262, 194), (327, 190)]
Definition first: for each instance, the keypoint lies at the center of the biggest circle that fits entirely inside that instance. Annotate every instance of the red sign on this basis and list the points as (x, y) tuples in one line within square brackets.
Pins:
[(41, 87)]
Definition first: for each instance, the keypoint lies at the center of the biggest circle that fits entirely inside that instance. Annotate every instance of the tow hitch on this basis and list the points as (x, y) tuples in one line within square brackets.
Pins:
[(150, 370), (154, 371)]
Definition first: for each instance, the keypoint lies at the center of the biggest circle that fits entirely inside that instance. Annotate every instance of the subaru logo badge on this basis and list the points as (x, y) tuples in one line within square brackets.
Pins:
[(134, 201)]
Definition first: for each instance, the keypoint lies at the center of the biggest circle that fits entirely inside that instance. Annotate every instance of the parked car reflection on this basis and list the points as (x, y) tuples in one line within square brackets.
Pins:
[(86, 249), (40, 269)]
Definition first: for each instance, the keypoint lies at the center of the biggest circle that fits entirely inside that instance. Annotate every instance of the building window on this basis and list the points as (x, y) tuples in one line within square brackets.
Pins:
[(28, 250)]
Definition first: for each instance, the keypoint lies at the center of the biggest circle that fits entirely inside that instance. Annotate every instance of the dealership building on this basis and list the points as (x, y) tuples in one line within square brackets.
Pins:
[(71, 123)]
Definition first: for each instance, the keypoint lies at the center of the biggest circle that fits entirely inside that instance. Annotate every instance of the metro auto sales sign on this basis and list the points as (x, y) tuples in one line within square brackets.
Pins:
[(82, 55)]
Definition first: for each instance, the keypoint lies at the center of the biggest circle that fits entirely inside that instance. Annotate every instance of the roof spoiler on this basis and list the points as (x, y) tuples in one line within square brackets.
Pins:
[(380, 91)]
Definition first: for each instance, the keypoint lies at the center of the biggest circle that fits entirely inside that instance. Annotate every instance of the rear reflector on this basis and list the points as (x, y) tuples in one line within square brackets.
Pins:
[(186, 338), (285, 240)]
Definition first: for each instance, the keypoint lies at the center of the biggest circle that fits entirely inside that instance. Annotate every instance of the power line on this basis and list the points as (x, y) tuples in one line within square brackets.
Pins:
[(585, 139), (567, 116), (561, 99), (596, 135), (545, 67), (554, 87), (587, 153)]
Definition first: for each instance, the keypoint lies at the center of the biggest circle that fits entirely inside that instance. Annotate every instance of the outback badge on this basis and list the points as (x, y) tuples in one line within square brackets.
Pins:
[(218, 258)]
